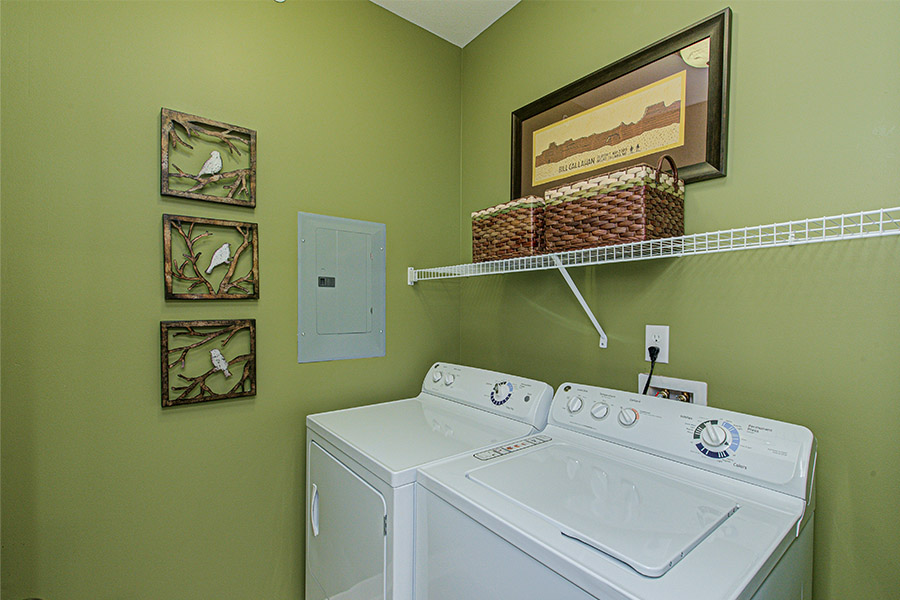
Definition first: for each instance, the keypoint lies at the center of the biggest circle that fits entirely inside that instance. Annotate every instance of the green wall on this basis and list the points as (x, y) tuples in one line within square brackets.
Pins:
[(362, 115), (806, 334), (104, 494)]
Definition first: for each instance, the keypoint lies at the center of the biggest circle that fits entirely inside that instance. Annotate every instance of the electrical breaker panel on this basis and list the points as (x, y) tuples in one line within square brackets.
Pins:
[(341, 288)]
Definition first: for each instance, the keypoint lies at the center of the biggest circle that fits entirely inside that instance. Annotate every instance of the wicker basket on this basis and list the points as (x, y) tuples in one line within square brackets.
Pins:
[(632, 205), (508, 230)]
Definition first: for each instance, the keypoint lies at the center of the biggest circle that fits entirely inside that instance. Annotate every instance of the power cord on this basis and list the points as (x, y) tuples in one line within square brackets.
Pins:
[(653, 351)]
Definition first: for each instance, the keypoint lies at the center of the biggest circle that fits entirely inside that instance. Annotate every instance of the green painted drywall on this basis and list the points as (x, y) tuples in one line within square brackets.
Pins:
[(808, 334), (104, 494)]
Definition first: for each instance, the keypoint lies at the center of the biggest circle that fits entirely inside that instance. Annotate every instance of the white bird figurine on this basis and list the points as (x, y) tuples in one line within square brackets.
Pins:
[(219, 362), (212, 165), (222, 255)]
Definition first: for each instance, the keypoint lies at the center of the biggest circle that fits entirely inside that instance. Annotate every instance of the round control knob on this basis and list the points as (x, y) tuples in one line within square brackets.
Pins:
[(713, 436), (437, 376), (574, 404), (449, 378), (599, 411), (627, 417), (501, 392)]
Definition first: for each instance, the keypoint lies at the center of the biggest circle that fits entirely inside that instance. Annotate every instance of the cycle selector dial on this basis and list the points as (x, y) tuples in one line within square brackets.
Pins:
[(449, 378), (501, 392), (714, 436), (575, 404), (628, 417), (717, 439), (437, 376), (599, 410)]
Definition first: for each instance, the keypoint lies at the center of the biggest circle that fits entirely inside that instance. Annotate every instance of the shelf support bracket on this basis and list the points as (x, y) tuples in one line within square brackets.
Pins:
[(587, 309)]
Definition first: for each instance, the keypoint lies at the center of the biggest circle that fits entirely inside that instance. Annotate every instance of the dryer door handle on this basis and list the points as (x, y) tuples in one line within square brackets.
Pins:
[(314, 510)]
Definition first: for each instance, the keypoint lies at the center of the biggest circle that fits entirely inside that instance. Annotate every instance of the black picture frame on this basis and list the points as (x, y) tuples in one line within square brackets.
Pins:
[(703, 163)]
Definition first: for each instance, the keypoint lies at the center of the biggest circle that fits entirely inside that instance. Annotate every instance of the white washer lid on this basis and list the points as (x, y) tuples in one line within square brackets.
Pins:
[(392, 439), (642, 517)]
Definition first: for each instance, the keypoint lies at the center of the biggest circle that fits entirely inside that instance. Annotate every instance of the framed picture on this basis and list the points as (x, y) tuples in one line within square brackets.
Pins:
[(207, 360), (669, 98), (210, 259), (218, 160)]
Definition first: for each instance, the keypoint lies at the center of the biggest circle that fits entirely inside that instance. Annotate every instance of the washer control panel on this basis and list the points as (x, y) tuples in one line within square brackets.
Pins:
[(767, 452), (519, 398)]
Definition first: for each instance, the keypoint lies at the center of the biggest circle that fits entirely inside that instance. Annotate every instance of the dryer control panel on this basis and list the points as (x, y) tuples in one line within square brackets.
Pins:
[(770, 453), (519, 398)]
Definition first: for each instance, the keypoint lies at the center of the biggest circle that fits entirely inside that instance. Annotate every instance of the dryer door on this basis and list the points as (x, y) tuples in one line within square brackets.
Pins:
[(345, 530)]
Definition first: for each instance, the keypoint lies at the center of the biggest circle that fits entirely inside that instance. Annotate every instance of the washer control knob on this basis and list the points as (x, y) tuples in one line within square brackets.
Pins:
[(437, 376), (627, 417), (713, 436), (575, 404), (501, 392), (599, 410), (449, 378)]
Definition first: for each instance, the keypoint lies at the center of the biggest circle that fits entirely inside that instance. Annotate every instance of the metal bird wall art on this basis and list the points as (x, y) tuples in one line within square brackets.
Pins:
[(219, 362), (221, 256), (214, 181), (189, 378), (212, 165)]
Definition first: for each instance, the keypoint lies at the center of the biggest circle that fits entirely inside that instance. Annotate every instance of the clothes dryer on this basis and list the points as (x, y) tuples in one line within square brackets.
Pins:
[(623, 497), (361, 469)]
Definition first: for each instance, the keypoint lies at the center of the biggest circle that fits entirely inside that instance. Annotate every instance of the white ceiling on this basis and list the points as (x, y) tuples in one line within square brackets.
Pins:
[(457, 21)]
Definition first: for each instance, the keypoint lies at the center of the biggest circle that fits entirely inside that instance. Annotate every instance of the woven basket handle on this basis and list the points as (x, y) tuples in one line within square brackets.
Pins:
[(671, 164)]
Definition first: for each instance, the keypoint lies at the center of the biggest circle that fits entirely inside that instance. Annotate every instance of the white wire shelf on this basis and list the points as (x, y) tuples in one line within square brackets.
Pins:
[(864, 224)]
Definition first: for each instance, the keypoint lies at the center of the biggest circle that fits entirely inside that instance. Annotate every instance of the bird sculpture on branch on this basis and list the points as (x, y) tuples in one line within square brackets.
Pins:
[(219, 362), (220, 256), (212, 165)]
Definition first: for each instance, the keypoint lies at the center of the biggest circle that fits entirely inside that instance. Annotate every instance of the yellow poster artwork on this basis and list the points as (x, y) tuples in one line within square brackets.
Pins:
[(645, 121)]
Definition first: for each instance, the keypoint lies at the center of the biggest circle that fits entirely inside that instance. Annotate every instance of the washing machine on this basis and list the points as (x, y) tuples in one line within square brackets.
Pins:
[(361, 469), (623, 497)]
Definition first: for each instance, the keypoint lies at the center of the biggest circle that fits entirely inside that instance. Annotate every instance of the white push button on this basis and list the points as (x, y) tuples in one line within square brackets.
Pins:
[(487, 454)]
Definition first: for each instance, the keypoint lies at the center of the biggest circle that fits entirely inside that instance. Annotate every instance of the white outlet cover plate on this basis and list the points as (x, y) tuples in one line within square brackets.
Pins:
[(657, 335)]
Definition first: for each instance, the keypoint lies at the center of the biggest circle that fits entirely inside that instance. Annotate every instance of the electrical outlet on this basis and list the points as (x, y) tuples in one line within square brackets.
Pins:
[(657, 335)]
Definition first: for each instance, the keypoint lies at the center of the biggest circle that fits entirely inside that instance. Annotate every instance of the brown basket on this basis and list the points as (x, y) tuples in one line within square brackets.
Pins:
[(633, 205), (508, 230)]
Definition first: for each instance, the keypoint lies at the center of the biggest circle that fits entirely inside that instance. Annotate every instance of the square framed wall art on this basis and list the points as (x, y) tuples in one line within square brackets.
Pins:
[(219, 160), (203, 361), (210, 259)]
